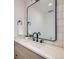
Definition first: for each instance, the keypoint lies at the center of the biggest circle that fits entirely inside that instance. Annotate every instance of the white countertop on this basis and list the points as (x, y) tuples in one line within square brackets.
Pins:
[(45, 50)]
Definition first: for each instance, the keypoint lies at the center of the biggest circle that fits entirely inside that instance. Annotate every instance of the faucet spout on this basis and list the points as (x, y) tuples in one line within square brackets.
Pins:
[(37, 36)]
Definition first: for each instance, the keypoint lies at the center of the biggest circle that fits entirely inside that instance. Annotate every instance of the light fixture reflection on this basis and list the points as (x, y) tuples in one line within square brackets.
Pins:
[(50, 4)]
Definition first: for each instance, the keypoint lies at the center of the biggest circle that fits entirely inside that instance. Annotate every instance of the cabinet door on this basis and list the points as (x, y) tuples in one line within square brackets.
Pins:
[(24, 53), (18, 55)]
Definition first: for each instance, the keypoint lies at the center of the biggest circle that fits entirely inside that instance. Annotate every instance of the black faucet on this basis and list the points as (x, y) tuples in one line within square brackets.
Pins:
[(37, 36), (34, 35)]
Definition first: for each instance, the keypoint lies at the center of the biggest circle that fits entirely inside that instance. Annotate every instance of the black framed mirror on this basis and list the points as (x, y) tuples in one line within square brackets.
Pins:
[(42, 17)]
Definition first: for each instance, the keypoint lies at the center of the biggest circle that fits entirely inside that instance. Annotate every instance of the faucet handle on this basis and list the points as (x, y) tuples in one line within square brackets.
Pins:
[(41, 41)]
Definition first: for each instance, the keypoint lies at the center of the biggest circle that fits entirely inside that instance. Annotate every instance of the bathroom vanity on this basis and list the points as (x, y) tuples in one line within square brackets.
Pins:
[(41, 22), (25, 48), (22, 52)]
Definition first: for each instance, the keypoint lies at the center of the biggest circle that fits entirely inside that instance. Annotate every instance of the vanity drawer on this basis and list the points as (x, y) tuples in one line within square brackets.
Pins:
[(25, 53)]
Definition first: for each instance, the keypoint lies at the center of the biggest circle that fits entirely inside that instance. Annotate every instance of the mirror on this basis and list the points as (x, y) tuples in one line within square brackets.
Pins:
[(42, 18)]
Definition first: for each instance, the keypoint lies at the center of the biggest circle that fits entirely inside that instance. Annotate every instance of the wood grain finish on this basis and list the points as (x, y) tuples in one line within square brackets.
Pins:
[(24, 53)]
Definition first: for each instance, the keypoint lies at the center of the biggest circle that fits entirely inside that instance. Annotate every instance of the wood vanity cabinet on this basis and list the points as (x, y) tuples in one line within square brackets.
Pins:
[(21, 52)]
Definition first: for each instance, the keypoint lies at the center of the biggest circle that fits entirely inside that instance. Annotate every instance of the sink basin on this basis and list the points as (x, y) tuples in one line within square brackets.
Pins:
[(34, 43)]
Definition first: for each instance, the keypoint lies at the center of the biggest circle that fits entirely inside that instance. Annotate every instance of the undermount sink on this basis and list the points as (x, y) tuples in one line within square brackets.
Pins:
[(29, 42), (34, 43)]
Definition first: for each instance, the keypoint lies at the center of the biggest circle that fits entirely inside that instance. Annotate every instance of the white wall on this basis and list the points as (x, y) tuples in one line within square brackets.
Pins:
[(19, 14)]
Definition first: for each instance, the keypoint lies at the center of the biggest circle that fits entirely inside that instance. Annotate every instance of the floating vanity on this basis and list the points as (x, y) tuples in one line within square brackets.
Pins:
[(25, 48)]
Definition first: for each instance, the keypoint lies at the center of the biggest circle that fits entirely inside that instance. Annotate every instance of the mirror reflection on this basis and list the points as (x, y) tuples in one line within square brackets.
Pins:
[(41, 16)]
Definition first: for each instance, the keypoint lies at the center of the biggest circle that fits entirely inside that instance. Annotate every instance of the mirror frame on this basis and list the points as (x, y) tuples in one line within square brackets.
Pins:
[(55, 21)]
